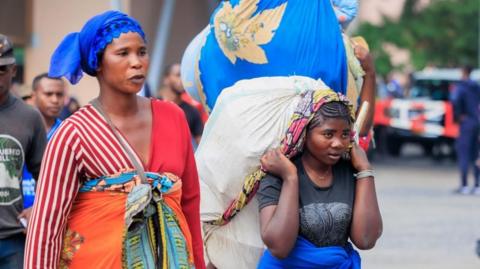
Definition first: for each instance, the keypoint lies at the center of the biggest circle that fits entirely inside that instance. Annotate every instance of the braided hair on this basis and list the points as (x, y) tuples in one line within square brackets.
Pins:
[(331, 110)]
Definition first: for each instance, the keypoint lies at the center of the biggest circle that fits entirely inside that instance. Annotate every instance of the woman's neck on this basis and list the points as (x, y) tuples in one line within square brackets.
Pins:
[(119, 104), (313, 163), (48, 123), (318, 171)]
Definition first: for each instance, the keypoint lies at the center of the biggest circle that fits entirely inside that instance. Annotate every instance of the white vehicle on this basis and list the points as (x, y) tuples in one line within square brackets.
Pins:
[(424, 116)]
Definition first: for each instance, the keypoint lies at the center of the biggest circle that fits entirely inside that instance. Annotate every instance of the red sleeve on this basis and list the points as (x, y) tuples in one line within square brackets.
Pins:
[(191, 199), (57, 188)]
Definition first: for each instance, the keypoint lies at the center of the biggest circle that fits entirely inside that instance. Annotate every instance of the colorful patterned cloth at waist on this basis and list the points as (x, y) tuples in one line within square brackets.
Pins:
[(119, 222), (125, 181)]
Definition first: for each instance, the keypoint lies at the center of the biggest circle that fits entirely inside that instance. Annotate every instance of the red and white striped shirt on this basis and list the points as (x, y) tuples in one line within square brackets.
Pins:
[(83, 148)]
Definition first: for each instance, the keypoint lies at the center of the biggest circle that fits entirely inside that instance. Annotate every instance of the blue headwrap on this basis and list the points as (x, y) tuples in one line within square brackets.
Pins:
[(79, 51)]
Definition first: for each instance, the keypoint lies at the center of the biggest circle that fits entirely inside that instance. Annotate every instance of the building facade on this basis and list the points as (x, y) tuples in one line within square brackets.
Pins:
[(37, 26)]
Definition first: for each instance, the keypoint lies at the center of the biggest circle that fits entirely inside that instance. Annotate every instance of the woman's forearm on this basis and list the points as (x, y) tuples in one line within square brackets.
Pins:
[(367, 221), (368, 94)]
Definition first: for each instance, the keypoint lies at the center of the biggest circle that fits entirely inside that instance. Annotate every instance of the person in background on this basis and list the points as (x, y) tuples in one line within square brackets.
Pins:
[(477, 250), (145, 91), (28, 182), (26, 95), (199, 106), (22, 142), (48, 97), (173, 91), (466, 104), (23, 92), (70, 106), (394, 89)]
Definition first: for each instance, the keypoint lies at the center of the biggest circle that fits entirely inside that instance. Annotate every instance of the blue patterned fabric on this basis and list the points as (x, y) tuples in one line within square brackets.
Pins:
[(79, 51), (256, 38), (156, 180), (174, 240), (28, 182), (305, 255)]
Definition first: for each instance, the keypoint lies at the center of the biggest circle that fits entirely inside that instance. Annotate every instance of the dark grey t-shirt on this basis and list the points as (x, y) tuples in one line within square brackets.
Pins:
[(325, 213), (22, 141)]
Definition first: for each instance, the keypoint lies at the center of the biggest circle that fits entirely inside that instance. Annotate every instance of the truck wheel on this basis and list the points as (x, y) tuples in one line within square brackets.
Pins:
[(437, 153), (381, 139), (394, 147), (429, 149)]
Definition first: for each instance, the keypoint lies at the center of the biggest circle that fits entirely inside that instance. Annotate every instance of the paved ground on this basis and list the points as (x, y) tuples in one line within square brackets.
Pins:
[(425, 225)]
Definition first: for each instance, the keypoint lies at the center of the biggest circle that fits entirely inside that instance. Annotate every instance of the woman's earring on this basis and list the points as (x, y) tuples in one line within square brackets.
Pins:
[(346, 155)]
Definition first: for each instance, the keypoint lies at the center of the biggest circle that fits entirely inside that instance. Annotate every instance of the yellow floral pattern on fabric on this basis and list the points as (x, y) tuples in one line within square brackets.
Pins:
[(71, 244), (240, 35)]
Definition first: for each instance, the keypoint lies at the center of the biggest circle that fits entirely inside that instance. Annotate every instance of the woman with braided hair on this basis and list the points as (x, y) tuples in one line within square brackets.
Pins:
[(312, 205)]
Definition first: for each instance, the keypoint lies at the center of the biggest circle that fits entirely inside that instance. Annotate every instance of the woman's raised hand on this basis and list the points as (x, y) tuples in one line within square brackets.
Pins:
[(276, 163), (365, 59), (359, 158)]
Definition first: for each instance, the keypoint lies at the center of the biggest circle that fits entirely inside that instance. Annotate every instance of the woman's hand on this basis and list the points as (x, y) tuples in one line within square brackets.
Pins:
[(359, 158), (365, 59), (276, 163), (25, 214)]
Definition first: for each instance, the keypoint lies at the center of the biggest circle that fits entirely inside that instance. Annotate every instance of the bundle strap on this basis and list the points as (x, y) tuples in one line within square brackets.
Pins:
[(138, 167)]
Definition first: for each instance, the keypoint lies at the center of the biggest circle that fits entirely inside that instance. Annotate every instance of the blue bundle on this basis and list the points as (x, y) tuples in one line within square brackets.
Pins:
[(257, 38)]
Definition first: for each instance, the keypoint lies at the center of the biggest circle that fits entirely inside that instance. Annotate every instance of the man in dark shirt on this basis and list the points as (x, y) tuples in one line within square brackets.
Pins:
[(48, 97), (172, 91), (22, 141), (466, 104)]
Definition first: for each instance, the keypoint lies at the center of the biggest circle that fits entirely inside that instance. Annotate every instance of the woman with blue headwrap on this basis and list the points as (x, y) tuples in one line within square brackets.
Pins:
[(118, 186)]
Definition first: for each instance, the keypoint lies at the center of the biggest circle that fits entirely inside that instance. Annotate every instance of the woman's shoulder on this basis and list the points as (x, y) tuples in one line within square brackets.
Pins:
[(344, 169), (169, 113), (273, 180), (84, 118), (166, 107), (270, 181)]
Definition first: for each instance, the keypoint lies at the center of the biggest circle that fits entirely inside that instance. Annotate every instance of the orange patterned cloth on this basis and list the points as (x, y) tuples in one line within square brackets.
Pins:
[(99, 222)]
